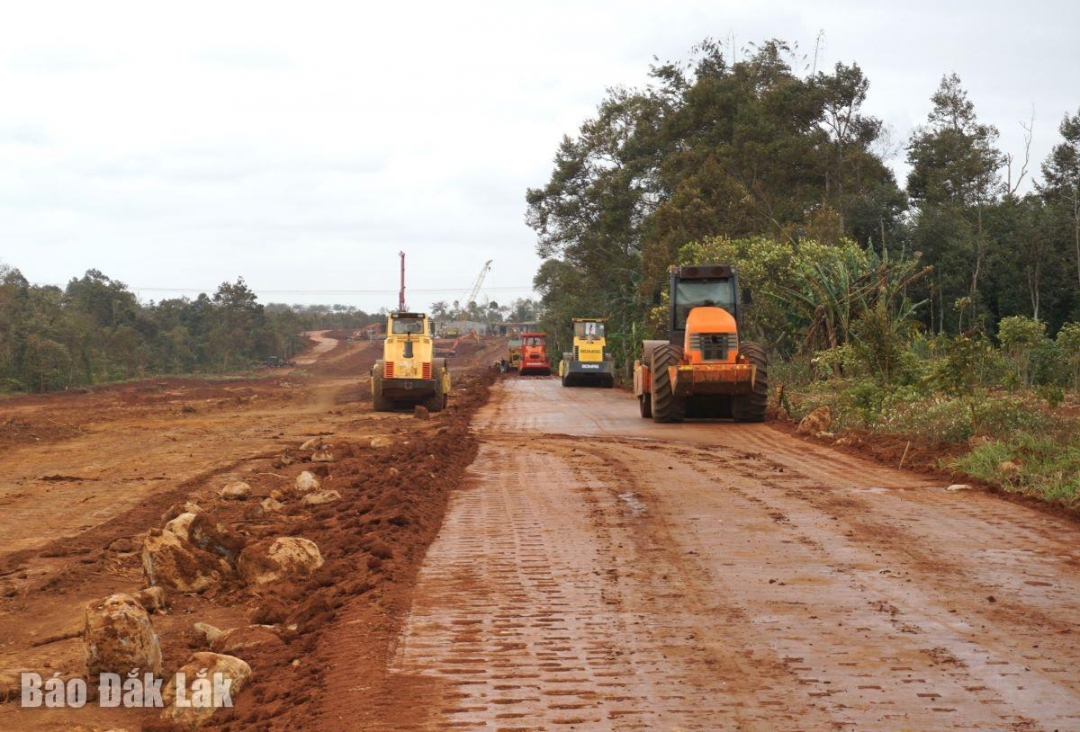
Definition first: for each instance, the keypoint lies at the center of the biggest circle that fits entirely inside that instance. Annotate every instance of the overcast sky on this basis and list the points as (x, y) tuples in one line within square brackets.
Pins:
[(301, 145)]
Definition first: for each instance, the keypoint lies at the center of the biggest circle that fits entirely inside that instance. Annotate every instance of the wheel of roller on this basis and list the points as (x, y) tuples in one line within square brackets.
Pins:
[(645, 405), (666, 407), (380, 403), (751, 407), (437, 401)]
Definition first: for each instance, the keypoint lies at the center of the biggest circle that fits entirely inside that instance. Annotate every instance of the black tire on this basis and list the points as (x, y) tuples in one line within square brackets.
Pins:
[(751, 407), (645, 406), (437, 401), (666, 407), (379, 402)]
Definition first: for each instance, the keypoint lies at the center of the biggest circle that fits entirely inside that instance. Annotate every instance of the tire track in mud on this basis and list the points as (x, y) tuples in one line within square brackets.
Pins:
[(542, 608), (827, 584), (715, 576)]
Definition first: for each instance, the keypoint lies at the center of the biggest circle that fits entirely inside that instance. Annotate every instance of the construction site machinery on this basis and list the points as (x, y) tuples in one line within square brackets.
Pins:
[(449, 347), (590, 363), (514, 355), (704, 369), (534, 359), (370, 332), (408, 373)]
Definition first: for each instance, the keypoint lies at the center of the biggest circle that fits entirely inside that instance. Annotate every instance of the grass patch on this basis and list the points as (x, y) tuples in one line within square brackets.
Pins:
[(1039, 446), (1049, 464)]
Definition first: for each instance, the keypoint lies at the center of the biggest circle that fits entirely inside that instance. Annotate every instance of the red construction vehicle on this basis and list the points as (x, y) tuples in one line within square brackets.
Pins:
[(534, 359)]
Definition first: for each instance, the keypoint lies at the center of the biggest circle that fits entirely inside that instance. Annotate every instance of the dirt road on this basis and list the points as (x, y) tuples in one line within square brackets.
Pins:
[(601, 572), (593, 571)]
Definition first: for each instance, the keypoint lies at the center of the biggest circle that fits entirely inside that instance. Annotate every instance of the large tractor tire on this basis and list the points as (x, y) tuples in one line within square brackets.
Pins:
[(751, 407), (666, 407), (645, 405), (437, 401), (379, 402), (567, 379)]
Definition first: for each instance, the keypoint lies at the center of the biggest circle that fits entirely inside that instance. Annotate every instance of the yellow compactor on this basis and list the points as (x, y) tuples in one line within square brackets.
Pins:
[(590, 363), (408, 373)]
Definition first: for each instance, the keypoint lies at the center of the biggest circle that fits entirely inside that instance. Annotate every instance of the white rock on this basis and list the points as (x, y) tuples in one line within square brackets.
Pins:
[(318, 498), (210, 632), (817, 421), (236, 491), (151, 598), (306, 481), (959, 487), (313, 444), (118, 636), (240, 639), (202, 665), (171, 562), (271, 505), (181, 525), (287, 557), (381, 442), (323, 456)]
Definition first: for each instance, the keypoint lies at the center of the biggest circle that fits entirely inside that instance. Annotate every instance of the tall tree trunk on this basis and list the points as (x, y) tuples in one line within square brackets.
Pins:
[(1076, 228)]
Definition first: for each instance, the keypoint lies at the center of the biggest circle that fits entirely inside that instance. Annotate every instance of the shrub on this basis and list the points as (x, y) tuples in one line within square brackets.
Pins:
[(1021, 338), (1048, 366), (1068, 343), (1052, 393)]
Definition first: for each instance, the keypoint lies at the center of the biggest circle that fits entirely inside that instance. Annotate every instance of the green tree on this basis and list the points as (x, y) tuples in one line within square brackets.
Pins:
[(46, 364), (954, 178), (108, 301), (237, 323), (1061, 173), (709, 149)]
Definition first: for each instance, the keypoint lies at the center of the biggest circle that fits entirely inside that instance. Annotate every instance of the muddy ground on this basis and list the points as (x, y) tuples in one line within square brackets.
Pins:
[(540, 558), (602, 572)]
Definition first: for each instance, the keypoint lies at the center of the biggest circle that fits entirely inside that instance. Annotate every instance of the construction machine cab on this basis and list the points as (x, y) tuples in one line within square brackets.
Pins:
[(588, 330), (706, 286), (409, 324)]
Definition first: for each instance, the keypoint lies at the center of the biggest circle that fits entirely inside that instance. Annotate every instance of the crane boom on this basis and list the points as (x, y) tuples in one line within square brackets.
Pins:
[(478, 283)]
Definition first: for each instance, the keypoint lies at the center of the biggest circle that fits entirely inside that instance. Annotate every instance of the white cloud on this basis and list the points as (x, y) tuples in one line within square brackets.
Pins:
[(303, 144)]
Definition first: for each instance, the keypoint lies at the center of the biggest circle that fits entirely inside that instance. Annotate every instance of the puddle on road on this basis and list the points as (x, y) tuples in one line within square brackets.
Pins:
[(631, 499)]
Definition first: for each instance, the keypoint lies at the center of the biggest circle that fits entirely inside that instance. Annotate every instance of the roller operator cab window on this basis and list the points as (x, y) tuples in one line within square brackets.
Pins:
[(690, 294), (589, 330), (534, 341), (402, 326)]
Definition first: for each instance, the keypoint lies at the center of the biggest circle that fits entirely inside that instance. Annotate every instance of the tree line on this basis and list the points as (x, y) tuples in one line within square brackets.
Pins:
[(96, 330), (519, 310), (713, 150)]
